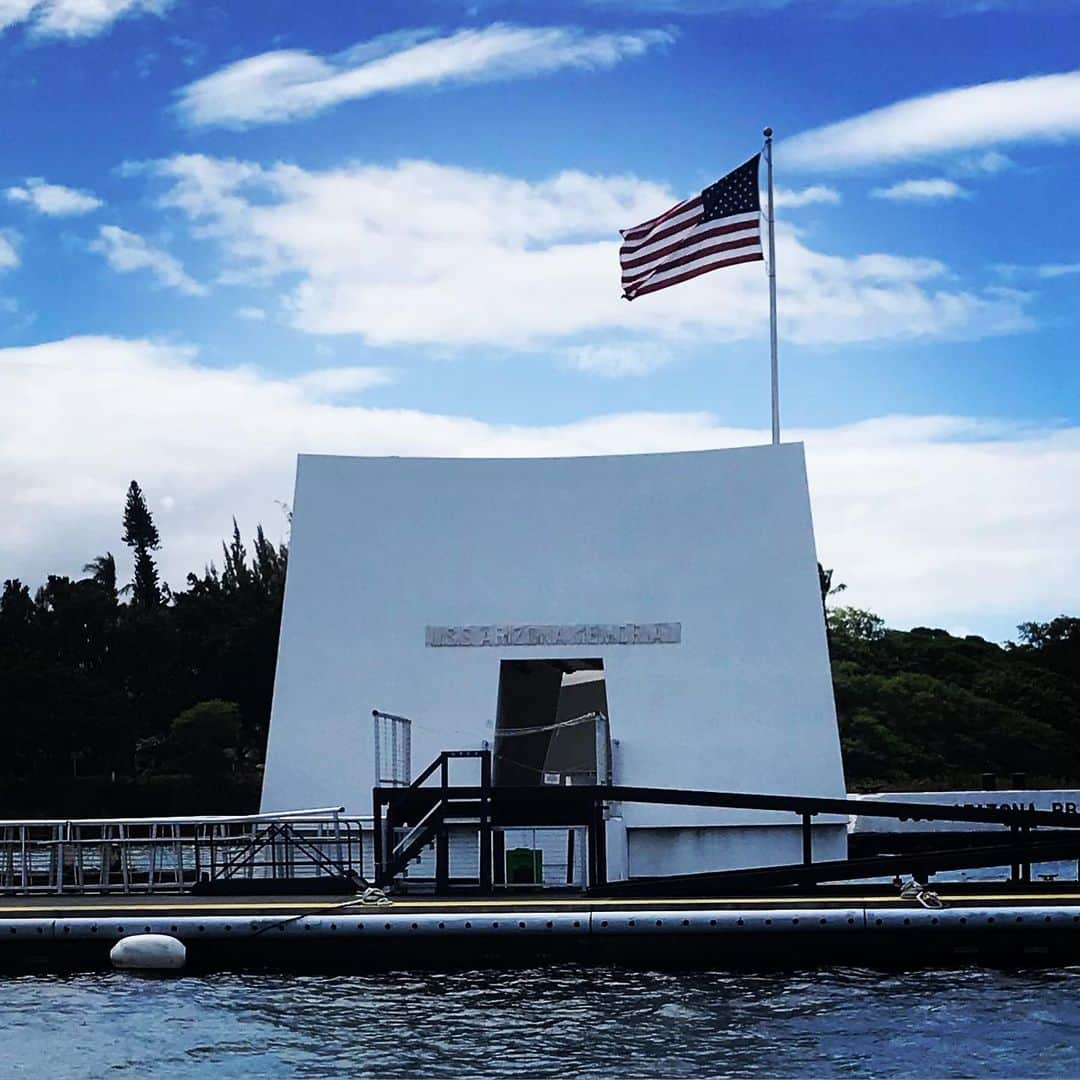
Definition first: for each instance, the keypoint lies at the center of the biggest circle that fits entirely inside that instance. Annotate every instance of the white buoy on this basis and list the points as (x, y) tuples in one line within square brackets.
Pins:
[(148, 952)]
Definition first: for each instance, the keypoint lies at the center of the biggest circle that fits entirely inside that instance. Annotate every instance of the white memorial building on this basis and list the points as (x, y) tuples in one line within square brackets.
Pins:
[(494, 602)]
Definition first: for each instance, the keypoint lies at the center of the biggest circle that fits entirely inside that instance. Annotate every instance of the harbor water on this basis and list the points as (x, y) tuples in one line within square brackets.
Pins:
[(559, 1020)]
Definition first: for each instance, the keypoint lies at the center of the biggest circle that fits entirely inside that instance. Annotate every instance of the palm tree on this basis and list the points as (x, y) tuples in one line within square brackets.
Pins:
[(827, 589), (103, 571)]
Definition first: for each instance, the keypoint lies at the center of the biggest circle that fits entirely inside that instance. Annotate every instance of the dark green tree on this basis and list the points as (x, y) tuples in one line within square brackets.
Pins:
[(202, 741), (236, 576), (141, 535), (16, 611), (854, 624), (103, 571), (1055, 644)]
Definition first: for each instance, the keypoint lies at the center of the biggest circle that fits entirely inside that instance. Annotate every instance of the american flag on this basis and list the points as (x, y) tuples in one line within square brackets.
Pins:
[(720, 227)]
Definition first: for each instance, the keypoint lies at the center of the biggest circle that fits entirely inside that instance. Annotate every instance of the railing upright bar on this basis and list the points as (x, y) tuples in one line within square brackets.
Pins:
[(178, 852), (58, 833), (125, 857), (152, 860), (337, 839)]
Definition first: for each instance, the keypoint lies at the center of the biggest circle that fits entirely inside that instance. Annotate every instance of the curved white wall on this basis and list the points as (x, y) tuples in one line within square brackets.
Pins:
[(720, 542)]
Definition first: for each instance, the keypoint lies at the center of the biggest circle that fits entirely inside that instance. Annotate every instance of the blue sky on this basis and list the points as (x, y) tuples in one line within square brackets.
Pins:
[(232, 233)]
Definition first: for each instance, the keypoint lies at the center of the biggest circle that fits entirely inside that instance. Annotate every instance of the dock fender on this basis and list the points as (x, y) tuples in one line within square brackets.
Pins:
[(148, 952)]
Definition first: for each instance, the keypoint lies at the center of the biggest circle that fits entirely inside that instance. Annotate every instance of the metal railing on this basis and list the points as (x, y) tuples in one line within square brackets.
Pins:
[(408, 819), (180, 854)]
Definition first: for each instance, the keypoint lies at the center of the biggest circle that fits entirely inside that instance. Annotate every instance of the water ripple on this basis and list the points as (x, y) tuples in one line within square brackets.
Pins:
[(559, 1020)]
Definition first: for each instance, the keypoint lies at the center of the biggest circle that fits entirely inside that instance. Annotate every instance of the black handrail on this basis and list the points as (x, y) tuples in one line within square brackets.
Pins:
[(585, 794), (443, 760), (921, 865), (584, 806), (391, 861)]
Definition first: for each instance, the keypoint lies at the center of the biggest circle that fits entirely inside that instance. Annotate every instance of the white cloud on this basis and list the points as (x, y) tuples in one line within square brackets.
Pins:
[(284, 85), (127, 252), (252, 314), (988, 163), (53, 200), (325, 384), (1044, 271), (73, 18), (1039, 108), (618, 361), (809, 196), (426, 254), (17, 319), (828, 8), (935, 519), (9, 253), (934, 189), (1057, 270)]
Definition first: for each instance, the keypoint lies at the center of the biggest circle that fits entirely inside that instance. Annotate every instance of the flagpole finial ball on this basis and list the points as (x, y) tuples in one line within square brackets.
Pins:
[(767, 133)]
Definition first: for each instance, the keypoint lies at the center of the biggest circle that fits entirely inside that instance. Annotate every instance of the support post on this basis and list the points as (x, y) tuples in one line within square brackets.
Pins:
[(485, 822), (377, 850), (597, 845), (442, 860), (498, 857), (774, 365), (807, 840)]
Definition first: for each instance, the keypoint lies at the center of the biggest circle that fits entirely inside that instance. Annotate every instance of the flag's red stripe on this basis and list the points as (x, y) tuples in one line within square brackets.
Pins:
[(758, 257), (694, 256), (646, 226), (630, 244), (701, 232), (690, 257), (671, 230)]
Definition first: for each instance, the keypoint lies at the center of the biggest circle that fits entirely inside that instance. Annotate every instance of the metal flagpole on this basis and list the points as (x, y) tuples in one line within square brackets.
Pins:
[(772, 298)]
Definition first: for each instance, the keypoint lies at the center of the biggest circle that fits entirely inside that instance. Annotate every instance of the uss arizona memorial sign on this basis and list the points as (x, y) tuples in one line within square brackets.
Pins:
[(655, 633)]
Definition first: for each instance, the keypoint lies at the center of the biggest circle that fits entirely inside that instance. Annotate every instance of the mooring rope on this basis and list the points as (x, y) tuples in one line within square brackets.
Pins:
[(916, 890), (371, 895)]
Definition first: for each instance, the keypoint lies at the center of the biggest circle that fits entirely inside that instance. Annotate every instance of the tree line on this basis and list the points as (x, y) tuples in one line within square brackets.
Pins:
[(137, 699), (924, 710)]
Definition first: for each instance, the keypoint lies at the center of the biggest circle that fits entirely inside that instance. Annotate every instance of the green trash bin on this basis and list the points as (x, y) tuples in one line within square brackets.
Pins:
[(524, 866)]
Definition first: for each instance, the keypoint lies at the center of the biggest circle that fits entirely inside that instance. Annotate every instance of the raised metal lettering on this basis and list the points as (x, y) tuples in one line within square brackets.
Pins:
[(576, 634)]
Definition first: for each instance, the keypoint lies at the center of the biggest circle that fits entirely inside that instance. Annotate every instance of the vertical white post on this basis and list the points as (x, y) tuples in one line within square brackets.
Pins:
[(772, 298)]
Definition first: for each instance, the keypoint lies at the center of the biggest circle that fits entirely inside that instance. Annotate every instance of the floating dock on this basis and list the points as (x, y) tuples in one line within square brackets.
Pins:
[(867, 925)]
